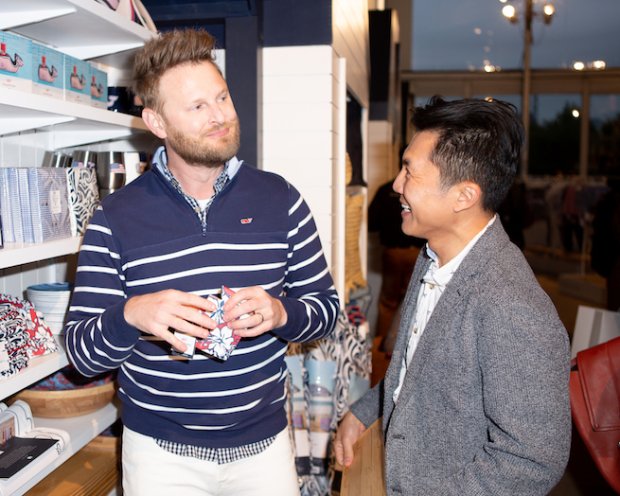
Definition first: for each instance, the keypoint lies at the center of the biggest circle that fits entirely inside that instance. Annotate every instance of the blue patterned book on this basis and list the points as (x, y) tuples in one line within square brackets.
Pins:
[(24, 202), (15, 205), (49, 203), (5, 207)]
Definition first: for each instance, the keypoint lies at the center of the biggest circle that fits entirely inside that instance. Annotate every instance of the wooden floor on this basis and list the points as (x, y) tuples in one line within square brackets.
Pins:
[(581, 477)]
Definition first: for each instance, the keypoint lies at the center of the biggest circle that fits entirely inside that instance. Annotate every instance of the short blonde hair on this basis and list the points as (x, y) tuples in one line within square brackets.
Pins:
[(165, 52)]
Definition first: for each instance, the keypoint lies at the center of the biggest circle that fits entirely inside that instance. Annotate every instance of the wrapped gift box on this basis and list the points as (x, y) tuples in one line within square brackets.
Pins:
[(222, 340)]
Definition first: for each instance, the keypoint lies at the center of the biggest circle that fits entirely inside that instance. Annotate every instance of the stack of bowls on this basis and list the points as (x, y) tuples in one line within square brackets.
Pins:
[(52, 301)]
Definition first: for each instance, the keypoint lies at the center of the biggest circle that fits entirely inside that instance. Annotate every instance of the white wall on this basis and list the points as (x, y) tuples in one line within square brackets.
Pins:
[(350, 41), (302, 134)]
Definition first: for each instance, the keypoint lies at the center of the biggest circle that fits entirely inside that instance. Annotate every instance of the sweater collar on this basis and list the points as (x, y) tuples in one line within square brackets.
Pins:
[(160, 161)]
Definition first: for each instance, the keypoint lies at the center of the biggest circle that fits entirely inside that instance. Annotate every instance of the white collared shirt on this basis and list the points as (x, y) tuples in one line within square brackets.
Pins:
[(433, 283)]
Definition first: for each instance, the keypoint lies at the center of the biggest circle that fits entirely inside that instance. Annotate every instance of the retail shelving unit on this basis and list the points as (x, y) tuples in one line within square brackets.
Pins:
[(87, 30)]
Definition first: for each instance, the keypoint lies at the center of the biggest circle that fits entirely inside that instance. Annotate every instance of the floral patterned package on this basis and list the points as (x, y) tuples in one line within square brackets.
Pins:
[(222, 340)]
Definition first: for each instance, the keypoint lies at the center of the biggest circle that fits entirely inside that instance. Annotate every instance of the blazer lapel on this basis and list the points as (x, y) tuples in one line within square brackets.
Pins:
[(447, 307), (400, 347)]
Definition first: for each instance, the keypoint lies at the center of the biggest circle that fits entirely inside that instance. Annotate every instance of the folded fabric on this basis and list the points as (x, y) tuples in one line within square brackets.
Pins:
[(69, 378), (22, 335)]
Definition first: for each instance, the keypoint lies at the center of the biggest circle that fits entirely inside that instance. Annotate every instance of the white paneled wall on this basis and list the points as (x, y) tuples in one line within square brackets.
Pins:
[(302, 135), (350, 35)]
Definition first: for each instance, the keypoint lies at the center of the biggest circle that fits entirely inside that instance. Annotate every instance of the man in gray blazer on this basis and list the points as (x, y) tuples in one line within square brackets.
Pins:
[(475, 400)]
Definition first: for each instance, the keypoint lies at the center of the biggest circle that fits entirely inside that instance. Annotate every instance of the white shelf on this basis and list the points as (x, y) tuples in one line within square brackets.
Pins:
[(81, 431), (87, 30), (71, 123), (18, 254), (37, 369), (82, 28)]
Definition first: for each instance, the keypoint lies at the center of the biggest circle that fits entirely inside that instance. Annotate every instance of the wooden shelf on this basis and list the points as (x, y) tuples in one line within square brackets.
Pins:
[(18, 254), (81, 431), (82, 28), (93, 471)]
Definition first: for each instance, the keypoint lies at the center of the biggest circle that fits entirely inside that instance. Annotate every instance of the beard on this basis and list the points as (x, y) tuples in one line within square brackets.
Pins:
[(196, 151)]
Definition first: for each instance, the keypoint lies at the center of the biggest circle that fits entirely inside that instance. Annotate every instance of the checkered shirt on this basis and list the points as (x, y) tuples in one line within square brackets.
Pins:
[(220, 182), (219, 455)]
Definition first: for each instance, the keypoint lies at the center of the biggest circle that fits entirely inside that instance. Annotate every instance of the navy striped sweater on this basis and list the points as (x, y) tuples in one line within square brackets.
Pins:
[(146, 238)]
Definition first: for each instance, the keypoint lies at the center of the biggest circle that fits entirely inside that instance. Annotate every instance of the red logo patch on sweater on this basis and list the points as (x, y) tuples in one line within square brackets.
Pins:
[(247, 220)]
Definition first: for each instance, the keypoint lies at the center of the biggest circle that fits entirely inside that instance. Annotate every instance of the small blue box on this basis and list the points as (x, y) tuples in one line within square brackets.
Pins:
[(98, 88), (15, 62), (76, 80), (48, 65)]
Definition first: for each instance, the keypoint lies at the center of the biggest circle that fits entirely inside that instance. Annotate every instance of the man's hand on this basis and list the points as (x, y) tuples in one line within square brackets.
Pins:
[(164, 312), (252, 311), (349, 431)]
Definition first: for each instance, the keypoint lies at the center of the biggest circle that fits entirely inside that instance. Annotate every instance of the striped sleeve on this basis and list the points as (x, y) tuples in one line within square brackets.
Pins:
[(310, 298), (97, 336)]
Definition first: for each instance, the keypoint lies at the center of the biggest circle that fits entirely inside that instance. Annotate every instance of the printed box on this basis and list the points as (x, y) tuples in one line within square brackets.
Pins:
[(15, 62), (83, 197), (76, 80), (98, 88), (47, 74), (49, 197)]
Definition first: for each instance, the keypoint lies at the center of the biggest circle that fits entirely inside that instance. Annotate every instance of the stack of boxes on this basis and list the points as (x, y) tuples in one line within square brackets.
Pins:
[(39, 204), (29, 66)]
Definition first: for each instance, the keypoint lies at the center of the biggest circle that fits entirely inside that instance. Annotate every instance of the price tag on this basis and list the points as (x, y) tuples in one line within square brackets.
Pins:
[(55, 202)]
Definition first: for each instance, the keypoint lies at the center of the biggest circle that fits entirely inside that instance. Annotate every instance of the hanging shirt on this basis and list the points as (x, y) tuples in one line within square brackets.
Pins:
[(433, 283)]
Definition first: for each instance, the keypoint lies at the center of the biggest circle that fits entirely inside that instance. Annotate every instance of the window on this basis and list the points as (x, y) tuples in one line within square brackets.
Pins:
[(604, 152), (554, 134)]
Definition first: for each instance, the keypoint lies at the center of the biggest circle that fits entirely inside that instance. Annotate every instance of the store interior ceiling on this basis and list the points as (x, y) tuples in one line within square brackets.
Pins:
[(210, 14)]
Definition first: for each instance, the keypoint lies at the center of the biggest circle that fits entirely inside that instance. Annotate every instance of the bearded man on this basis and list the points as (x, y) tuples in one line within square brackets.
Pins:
[(154, 256)]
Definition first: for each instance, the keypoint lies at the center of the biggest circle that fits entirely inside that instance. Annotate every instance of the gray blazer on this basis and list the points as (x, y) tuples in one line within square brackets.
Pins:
[(484, 406)]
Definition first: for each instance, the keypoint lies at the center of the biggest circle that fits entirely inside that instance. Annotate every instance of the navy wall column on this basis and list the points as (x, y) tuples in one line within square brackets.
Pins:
[(243, 77)]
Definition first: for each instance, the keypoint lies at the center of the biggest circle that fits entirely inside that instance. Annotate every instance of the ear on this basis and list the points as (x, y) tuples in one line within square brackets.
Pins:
[(468, 195), (155, 122)]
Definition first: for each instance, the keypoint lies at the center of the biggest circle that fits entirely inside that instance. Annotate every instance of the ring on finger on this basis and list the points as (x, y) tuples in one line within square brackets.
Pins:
[(262, 319)]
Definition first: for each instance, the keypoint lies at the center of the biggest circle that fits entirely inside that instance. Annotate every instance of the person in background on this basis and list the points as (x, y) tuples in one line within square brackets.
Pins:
[(398, 255), (514, 212), (475, 400), (197, 220), (605, 254)]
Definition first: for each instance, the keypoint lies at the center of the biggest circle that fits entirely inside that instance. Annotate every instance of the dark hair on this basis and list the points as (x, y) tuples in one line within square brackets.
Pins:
[(479, 141), (165, 52)]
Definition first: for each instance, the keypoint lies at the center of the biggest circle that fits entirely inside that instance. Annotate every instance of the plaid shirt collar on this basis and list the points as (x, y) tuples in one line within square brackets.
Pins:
[(160, 160)]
